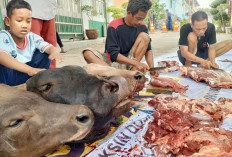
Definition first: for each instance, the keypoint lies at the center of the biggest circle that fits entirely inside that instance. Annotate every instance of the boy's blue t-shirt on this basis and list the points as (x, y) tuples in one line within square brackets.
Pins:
[(22, 54)]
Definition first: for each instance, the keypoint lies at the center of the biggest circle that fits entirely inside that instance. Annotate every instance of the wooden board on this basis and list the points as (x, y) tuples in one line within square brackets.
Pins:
[(160, 90)]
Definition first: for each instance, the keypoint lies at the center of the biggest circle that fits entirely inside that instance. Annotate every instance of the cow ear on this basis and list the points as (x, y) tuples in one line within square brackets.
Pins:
[(111, 87)]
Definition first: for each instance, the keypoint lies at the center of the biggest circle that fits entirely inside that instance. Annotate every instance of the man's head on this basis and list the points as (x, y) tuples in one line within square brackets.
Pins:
[(137, 11), (199, 23), (18, 18), (166, 10)]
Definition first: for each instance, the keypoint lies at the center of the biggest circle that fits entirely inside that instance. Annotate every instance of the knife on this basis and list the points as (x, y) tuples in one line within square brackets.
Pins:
[(225, 60), (157, 68)]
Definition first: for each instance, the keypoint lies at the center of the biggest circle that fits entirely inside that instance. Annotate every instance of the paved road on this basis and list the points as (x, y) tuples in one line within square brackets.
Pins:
[(162, 43)]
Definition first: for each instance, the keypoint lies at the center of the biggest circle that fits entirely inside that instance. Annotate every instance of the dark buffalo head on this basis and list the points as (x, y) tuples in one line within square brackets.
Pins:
[(31, 126), (107, 96)]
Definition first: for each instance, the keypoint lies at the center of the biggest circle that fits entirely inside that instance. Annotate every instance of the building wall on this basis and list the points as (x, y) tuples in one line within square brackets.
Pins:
[(230, 11), (99, 21), (175, 7), (119, 3), (109, 15), (69, 19), (1, 20), (100, 26), (190, 6), (2, 9), (182, 9)]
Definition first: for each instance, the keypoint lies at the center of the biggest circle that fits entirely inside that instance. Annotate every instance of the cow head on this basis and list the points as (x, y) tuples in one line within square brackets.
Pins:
[(32, 126), (107, 96)]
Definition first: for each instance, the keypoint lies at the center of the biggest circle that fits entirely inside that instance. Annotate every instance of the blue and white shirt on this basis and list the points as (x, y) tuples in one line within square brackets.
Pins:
[(22, 54)]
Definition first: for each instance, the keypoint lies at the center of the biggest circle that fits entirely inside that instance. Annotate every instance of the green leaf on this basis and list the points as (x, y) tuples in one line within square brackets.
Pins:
[(117, 12), (90, 11)]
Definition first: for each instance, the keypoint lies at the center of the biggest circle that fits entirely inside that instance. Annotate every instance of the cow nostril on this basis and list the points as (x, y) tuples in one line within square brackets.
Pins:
[(82, 118), (114, 88), (139, 76)]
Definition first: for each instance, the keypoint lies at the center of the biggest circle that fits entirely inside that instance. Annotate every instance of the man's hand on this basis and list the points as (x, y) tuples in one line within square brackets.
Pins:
[(140, 67), (33, 71), (207, 64), (215, 65)]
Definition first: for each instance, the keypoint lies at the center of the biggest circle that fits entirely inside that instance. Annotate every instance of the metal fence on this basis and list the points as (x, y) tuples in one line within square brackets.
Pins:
[(68, 18)]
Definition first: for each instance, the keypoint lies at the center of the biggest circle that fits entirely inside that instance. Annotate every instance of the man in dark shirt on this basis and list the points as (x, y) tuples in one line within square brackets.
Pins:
[(127, 41), (198, 42)]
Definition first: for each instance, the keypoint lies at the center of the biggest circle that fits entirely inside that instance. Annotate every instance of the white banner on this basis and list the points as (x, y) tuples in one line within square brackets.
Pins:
[(126, 140)]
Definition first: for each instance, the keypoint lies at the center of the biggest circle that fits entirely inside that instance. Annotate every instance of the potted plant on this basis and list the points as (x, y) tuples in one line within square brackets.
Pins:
[(90, 12)]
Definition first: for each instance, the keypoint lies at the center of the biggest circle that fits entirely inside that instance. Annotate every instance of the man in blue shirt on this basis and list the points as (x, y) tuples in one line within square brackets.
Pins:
[(169, 20)]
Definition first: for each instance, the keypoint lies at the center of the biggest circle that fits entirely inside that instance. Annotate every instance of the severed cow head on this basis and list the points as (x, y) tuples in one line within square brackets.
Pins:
[(107, 95), (32, 126)]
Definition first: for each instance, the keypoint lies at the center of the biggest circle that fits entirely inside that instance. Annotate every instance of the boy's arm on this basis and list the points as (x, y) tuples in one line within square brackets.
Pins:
[(10, 62), (44, 46), (53, 54)]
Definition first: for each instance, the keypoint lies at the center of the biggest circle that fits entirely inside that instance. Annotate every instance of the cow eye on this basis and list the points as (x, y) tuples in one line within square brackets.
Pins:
[(45, 87), (48, 86), (16, 123)]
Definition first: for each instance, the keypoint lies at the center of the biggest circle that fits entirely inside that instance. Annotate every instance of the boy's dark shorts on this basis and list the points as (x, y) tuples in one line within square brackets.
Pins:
[(12, 77), (200, 53)]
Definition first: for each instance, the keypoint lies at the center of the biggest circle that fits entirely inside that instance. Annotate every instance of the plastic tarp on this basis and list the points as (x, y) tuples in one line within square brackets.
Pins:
[(126, 140)]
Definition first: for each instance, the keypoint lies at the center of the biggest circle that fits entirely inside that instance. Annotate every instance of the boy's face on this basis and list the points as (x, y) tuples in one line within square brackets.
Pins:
[(137, 19), (19, 22)]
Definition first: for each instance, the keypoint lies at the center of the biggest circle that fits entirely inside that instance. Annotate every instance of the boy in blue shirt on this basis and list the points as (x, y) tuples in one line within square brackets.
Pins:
[(21, 51)]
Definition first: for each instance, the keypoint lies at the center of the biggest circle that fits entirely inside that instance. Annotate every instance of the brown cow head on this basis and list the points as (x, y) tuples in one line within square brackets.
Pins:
[(32, 126), (108, 96)]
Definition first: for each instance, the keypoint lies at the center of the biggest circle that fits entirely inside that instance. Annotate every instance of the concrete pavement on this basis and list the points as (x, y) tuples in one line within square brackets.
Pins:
[(162, 43)]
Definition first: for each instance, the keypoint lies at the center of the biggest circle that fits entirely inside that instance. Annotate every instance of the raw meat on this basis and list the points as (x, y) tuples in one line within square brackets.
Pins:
[(171, 65), (168, 82), (214, 78), (189, 127)]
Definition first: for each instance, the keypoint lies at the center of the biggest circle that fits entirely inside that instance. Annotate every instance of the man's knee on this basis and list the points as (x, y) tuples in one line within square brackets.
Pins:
[(90, 56), (192, 38), (87, 54), (144, 37)]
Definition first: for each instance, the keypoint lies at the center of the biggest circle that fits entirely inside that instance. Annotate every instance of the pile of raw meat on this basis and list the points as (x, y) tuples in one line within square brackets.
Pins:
[(214, 78), (189, 127)]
